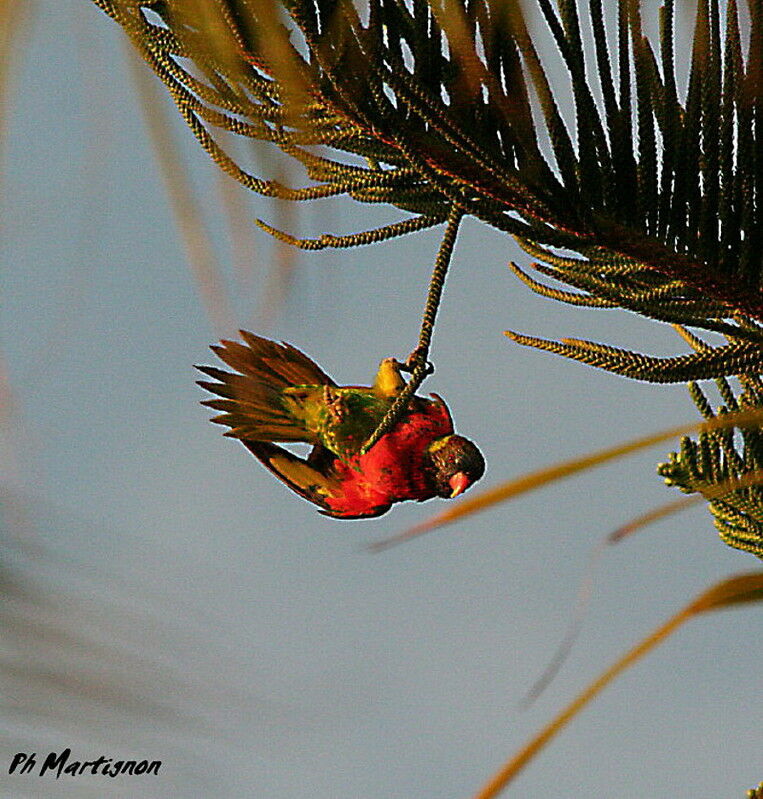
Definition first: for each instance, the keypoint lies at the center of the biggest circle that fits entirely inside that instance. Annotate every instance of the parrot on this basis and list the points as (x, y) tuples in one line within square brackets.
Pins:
[(277, 395)]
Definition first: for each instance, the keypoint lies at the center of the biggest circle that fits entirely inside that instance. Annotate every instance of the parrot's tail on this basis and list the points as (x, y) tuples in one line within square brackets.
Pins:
[(252, 404)]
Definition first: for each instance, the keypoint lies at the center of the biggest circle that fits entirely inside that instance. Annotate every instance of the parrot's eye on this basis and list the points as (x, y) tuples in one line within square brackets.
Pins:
[(457, 464)]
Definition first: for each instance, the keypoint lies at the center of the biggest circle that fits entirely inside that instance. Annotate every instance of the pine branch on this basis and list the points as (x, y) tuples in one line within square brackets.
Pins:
[(650, 201)]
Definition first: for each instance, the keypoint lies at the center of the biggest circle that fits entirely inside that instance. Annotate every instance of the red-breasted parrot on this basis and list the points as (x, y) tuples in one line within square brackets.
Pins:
[(277, 394)]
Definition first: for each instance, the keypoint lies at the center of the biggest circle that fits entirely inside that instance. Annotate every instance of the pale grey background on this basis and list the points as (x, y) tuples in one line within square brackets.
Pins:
[(165, 597)]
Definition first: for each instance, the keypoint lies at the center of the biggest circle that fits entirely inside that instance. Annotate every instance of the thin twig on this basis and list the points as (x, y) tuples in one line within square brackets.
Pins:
[(418, 361)]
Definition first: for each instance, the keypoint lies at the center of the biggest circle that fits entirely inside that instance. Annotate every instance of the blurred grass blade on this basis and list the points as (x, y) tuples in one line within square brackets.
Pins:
[(559, 471), (280, 277), (586, 588), (7, 408), (615, 537), (738, 590), (13, 19), (651, 516), (94, 653), (233, 204), (752, 478), (188, 218)]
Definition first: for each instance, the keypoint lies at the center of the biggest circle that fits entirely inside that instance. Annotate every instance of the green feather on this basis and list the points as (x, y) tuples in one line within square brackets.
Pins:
[(280, 395)]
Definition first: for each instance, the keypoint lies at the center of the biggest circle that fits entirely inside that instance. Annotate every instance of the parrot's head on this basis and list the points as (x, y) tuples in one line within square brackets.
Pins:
[(456, 463)]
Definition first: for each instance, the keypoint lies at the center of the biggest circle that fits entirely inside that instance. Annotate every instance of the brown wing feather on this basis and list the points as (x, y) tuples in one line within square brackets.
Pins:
[(287, 362), (252, 404), (302, 476), (295, 472)]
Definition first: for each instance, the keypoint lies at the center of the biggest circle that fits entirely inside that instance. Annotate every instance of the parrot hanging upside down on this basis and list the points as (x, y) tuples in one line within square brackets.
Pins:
[(279, 394)]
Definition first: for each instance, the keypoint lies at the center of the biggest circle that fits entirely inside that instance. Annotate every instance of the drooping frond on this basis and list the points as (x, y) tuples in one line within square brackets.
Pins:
[(423, 104), (714, 362)]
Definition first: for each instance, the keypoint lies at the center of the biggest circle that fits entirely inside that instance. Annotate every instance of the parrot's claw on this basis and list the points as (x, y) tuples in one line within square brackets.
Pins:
[(334, 404), (412, 361)]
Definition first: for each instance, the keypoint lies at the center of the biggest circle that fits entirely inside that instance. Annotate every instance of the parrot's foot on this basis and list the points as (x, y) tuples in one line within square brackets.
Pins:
[(412, 361), (334, 404)]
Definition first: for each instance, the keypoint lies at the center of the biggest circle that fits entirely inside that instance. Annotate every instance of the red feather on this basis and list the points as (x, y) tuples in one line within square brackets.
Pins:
[(394, 469)]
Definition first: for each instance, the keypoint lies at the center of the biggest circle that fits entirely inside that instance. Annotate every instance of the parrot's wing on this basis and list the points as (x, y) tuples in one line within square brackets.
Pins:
[(253, 400), (297, 473), (271, 364), (308, 478), (284, 361)]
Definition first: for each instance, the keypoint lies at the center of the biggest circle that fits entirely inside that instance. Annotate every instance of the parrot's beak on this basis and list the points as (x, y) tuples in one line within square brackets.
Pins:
[(459, 483)]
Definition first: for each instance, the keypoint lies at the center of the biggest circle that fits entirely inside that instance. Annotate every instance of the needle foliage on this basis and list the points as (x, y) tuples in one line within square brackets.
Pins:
[(648, 196)]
